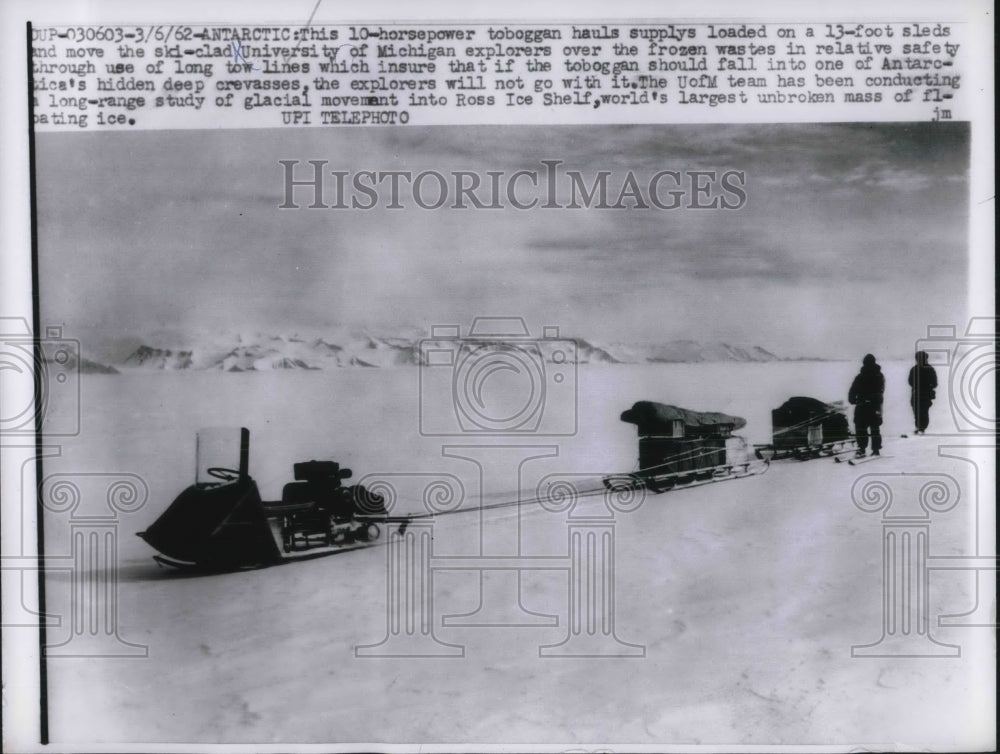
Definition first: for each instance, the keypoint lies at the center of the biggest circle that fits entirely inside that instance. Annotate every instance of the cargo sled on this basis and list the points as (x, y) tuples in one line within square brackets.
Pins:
[(221, 523), (807, 428), (679, 447)]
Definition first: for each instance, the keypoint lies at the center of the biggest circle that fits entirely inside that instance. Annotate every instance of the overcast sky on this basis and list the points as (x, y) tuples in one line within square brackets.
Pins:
[(853, 239)]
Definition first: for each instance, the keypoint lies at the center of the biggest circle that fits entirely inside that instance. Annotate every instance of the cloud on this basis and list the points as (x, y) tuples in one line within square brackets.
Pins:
[(175, 230)]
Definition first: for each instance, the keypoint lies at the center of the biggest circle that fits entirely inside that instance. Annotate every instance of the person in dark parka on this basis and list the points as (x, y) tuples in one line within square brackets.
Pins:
[(923, 383), (866, 395)]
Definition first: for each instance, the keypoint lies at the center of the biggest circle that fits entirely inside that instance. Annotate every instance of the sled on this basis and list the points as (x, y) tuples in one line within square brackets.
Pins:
[(679, 448), (805, 428)]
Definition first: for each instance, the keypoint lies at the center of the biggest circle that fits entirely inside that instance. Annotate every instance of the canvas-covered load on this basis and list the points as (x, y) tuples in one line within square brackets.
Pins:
[(803, 422), (663, 420)]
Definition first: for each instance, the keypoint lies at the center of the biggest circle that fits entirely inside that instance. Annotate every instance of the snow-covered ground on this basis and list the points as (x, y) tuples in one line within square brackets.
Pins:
[(747, 596)]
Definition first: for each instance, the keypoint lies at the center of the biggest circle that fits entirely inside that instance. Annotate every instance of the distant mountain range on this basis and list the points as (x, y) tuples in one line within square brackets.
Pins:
[(272, 352)]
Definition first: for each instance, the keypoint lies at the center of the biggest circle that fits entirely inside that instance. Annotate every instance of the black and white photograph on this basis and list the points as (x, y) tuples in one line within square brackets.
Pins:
[(536, 435)]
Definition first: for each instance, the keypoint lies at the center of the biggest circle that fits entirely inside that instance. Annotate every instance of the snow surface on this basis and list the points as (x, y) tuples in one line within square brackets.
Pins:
[(747, 595)]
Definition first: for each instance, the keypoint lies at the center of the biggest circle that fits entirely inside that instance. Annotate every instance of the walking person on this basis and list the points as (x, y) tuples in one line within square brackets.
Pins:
[(866, 395), (923, 383)]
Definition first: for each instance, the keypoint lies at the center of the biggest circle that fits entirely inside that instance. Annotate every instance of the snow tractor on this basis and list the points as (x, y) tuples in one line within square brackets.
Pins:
[(221, 523)]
